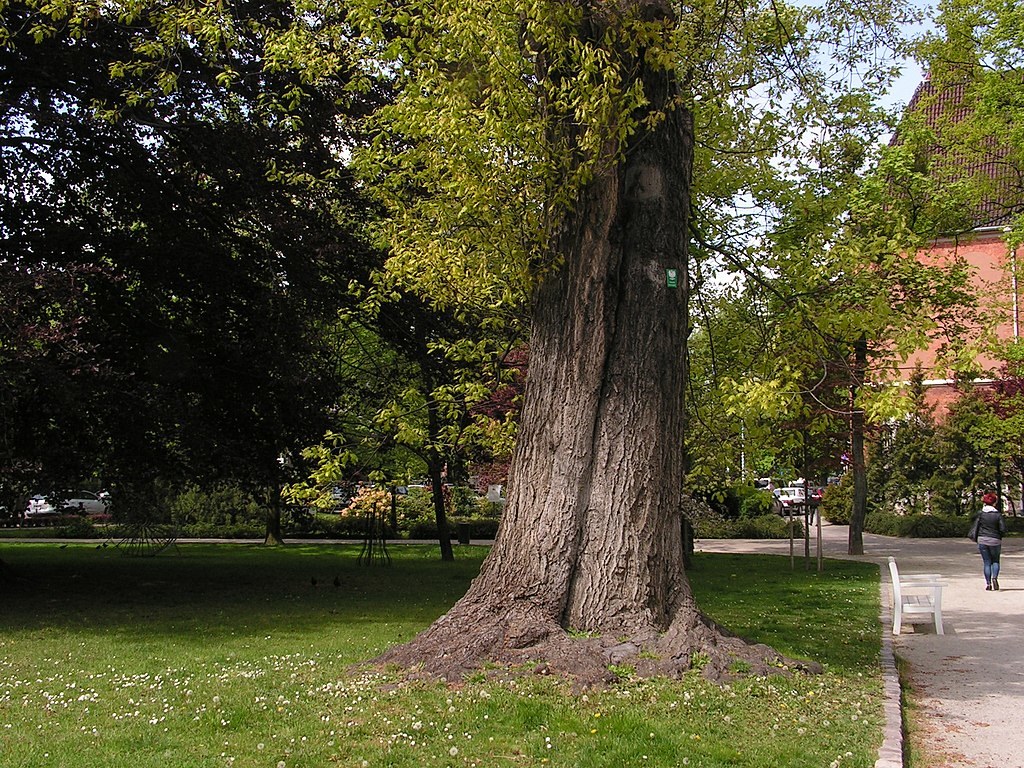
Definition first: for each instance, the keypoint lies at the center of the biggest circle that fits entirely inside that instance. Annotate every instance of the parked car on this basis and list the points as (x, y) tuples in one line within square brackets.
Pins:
[(769, 483), (82, 503)]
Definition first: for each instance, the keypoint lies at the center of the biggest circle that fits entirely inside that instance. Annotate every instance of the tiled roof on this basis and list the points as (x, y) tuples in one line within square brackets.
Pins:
[(944, 106)]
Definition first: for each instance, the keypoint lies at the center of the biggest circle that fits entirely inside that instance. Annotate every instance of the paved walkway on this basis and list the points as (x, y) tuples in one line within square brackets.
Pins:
[(969, 682)]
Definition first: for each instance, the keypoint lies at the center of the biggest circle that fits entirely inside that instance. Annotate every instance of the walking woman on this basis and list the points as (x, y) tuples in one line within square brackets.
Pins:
[(990, 530)]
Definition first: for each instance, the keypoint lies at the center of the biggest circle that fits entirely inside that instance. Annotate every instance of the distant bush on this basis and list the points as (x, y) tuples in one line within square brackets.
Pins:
[(479, 528), (414, 515), (882, 523), (417, 504), (762, 527), (919, 526), (75, 527), (722, 502), (936, 527), (837, 501), (336, 527), (737, 500), (224, 504), (754, 502), (487, 509), (223, 531), (483, 528), (461, 501)]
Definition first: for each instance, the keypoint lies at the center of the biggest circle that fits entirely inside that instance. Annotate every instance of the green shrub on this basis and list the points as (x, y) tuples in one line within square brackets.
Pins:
[(461, 500), (723, 502), (754, 502), (418, 504), (221, 531), (882, 523), (919, 526), (738, 500), (762, 527), (75, 527), (297, 520), (837, 501), (223, 504), (423, 529), (333, 526), (479, 528), (487, 509), (935, 527)]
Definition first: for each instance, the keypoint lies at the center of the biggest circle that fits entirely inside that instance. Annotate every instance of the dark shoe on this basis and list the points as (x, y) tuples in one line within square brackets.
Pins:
[(988, 587), (995, 584)]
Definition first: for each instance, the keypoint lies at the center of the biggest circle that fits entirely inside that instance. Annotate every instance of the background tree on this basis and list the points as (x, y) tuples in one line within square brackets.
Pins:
[(781, 422), (979, 440), (904, 459), (921, 464), (191, 183), (848, 301), (415, 378), (1006, 401), (730, 338), (977, 51)]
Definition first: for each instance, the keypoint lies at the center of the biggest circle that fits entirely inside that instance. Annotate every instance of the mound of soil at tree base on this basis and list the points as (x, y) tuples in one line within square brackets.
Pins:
[(517, 637)]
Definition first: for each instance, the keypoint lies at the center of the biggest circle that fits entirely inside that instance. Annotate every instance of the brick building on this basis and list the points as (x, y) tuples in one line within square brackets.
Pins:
[(982, 242)]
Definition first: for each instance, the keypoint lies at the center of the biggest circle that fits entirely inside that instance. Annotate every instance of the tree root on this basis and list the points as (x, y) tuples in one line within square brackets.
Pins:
[(473, 638)]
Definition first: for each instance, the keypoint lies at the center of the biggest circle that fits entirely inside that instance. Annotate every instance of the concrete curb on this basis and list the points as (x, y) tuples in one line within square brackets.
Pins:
[(890, 754)]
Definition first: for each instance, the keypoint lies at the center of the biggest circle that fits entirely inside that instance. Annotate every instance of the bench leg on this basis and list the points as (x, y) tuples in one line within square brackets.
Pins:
[(897, 619)]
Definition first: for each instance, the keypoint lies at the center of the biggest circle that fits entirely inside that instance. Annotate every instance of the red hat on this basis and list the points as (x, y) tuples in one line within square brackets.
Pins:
[(989, 498)]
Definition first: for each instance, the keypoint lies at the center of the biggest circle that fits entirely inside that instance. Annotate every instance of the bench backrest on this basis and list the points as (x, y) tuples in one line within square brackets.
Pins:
[(895, 575)]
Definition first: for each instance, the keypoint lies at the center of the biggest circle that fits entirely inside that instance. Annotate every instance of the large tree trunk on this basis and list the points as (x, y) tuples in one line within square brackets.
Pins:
[(587, 568)]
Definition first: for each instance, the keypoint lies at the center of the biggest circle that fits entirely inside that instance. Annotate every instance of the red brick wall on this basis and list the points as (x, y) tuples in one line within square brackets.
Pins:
[(991, 266)]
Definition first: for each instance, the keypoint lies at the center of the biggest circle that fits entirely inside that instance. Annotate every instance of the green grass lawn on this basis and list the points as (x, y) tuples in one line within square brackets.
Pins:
[(229, 655)]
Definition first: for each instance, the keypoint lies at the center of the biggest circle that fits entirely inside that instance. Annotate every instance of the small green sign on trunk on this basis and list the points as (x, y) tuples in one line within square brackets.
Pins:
[(672, 278)]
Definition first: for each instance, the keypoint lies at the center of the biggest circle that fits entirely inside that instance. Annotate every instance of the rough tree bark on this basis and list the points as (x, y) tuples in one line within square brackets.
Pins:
[(587, 569)]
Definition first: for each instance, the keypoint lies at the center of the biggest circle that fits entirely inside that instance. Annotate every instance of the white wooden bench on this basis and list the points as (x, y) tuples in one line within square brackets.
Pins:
[(915, 594)]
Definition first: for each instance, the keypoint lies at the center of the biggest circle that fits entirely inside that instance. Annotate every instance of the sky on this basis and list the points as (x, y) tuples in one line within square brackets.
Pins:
[(904, 87)]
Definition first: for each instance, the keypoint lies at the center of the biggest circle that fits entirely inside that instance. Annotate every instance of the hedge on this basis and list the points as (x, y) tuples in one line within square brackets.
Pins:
[(761, 527), (923, 526)]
